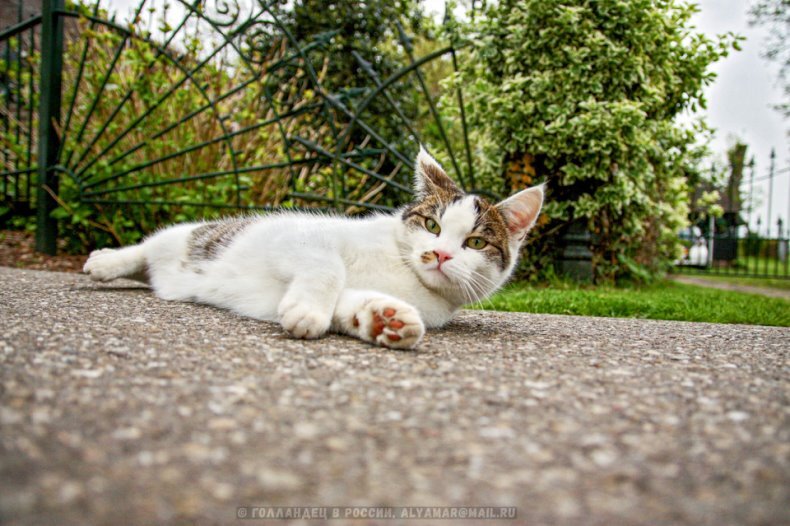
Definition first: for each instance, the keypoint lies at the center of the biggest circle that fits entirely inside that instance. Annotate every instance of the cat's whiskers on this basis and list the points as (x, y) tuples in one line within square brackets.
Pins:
[(487, 299), (481, 291), (465, 289), (479, 276), (481, 297), (483, 281), (398, 257)]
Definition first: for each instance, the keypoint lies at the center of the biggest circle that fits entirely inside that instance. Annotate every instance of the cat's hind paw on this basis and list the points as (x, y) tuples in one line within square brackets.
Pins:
[(110, 263), (390, 323), (102, 265)]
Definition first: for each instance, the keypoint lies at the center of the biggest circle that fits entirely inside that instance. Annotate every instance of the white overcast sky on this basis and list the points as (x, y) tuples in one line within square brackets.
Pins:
[(739, 100)]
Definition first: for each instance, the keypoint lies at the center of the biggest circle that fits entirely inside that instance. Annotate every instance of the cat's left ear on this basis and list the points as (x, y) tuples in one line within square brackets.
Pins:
[(521, 211), (430, 178)]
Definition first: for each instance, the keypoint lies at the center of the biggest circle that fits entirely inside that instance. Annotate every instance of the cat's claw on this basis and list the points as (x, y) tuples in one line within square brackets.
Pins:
[(389, 323)]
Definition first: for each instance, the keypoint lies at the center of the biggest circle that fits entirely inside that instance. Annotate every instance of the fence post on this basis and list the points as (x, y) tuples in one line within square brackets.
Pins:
[(49, 122), (711, 241), (770, 190)]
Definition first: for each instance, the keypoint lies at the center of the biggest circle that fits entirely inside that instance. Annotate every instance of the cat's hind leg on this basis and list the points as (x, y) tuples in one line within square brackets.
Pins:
[(378, 318), (108, 264), (159, 260)]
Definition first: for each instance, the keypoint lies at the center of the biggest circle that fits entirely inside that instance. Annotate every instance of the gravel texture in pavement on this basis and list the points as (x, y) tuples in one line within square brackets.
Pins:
[(117, 407)]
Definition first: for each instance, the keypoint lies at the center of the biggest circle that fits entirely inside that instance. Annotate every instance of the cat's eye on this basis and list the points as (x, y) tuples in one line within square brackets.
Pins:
[(432, 226), (477, 243)]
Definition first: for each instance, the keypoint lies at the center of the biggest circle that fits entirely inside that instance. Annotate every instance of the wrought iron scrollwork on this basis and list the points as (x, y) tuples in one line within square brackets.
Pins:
[(224, 109)]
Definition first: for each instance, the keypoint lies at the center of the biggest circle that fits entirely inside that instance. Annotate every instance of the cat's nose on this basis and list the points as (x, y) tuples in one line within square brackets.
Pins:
[(442, 256)]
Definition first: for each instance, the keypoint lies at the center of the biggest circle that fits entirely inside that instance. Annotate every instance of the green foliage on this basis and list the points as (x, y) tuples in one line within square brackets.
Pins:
[(156, 129), (580, 94), (661, 301), (583, 95), (362, 27), (366, 32)]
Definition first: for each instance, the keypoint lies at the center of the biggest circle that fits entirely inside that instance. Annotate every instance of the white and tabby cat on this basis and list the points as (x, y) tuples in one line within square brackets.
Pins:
[(382, 279)]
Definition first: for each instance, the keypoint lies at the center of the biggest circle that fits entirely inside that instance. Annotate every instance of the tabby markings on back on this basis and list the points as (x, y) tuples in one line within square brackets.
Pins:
[(207, 241)]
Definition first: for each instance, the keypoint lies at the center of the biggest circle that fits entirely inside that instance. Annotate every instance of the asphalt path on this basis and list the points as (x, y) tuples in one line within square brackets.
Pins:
[(119, 408)]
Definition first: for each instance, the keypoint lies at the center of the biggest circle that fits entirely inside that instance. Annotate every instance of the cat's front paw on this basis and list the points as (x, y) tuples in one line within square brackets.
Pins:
[(390, 323), (304, 321)]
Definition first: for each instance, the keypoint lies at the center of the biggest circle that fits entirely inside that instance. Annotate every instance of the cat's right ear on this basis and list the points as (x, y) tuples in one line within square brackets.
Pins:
[(430, 178), (521, 211)]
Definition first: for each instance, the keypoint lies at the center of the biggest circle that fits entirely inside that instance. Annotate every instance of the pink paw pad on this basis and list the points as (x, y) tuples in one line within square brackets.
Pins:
[(397, 327), (387, 323)]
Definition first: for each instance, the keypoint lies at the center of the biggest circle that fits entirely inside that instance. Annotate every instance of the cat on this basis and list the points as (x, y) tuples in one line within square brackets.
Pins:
[(382, 278)]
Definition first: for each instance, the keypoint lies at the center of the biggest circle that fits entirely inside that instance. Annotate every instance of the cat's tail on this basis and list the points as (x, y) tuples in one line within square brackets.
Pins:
[(111, 263)]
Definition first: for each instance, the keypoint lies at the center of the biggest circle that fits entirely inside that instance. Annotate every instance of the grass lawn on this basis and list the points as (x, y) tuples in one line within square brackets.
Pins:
[(661, 301)]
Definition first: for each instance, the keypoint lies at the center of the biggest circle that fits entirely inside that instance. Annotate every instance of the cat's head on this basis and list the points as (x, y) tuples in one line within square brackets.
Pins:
[(461, 244)]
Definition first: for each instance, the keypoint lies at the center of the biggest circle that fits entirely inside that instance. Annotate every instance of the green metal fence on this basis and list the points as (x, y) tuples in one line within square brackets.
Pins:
[(213, 107), (19, 116), (732, 255)]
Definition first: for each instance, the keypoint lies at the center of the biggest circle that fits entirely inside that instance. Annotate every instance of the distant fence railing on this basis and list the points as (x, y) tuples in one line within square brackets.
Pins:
[(731, 255), (220, 107)]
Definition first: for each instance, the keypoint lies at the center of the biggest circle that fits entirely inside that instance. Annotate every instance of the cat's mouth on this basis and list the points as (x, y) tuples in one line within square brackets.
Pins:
[(440, 271), (441, 274), (433, 276), (432, 273)]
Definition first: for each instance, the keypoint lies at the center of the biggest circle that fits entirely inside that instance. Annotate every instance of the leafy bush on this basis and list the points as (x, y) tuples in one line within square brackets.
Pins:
[(584, 95)]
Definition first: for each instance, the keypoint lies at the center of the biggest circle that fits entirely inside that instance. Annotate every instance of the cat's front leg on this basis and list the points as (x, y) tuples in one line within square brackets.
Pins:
[(308, 305), (378, 318)]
